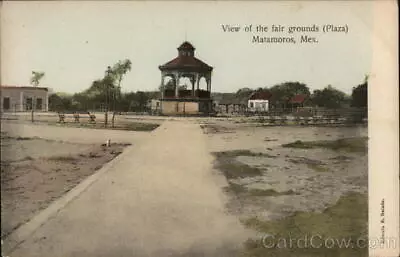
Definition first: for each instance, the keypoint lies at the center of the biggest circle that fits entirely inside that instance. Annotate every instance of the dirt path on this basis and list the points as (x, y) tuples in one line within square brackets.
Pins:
[(161, 198)]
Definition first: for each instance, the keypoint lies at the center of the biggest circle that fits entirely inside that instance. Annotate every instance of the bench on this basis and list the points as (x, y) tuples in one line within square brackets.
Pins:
[(61, 117), (76, 117), (92, 117)]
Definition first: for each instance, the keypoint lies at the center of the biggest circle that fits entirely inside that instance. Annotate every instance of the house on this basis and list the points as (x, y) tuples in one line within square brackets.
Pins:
[(24, 98), (259, 101), (155, 106), (229, 103), (298, 100)]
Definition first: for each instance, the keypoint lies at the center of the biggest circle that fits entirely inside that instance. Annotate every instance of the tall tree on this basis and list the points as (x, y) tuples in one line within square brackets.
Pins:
[(282, 93), (328, 97), (359, 95), (36, 77), (35, 81), (118, 71)]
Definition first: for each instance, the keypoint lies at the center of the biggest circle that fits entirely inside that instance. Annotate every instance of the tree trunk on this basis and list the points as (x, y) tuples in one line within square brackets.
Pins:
[(115, 99), (106, 118), (32, 106), (113, 118)]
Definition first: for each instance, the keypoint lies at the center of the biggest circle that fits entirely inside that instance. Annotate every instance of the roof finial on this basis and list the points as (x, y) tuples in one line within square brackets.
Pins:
[(185, 29)]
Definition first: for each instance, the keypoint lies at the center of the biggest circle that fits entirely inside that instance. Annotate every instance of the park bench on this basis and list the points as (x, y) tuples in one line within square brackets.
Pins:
[(76, 117), (92, 117), (61, 117)]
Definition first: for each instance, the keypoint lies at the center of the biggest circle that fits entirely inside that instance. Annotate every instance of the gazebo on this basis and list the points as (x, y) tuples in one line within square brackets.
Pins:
[(176, 100)]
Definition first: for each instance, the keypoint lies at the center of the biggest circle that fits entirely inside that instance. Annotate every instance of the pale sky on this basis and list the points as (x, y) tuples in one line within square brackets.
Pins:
[(74, 42)]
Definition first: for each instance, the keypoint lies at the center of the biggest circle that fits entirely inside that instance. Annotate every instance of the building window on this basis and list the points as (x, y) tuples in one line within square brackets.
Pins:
[(251, 105), (28, 104), (39, 102), (6, 103)]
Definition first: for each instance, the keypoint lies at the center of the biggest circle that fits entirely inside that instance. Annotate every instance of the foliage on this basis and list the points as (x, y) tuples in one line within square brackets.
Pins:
[(282, 93), (36, 77), (170, 85), (60, 102), (118, 72), (243, 93), (359, 96), (328, 97)]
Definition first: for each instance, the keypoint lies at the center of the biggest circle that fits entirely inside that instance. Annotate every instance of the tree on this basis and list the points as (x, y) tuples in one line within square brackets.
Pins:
[(359, 95), (170, 85), (118, 71), (35, 81), (328, 97), (36, 77), (59, 102), (282, 93)]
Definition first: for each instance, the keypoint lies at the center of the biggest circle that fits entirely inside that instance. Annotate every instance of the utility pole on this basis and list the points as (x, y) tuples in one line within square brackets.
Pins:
[(33, 107), (106, 84)]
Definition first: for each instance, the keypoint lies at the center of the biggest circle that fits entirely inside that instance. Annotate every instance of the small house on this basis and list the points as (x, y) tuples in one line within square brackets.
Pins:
[(259, 101), (24, 98)]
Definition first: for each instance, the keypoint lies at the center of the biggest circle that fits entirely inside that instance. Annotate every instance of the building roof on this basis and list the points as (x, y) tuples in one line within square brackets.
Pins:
[(229, 98), (186, 62), (298, 99), (24, 87), (260, 95), (186, 46)]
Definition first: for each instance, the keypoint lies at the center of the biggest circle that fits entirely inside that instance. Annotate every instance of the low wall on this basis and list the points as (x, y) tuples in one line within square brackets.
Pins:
[(179, 108)]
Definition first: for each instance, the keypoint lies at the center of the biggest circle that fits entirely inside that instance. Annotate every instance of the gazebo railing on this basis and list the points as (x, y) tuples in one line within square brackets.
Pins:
[(184, 93)]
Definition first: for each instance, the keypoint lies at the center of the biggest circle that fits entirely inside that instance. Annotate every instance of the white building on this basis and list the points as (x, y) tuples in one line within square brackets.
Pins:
[(155, 106), (259, 101), (23, 98)]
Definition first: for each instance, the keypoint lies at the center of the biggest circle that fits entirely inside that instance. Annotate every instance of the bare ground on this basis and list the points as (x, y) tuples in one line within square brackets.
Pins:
[(280, 177), (35, 172)]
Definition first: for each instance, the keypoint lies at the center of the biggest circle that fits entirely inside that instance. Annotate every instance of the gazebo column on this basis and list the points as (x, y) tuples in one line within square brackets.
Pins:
[(177, 77), (193, 81), (162, 87), (209, 82), (198, 82)]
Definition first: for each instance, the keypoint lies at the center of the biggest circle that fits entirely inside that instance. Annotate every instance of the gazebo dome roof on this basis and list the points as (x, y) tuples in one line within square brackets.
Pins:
[(185, 60), (186, 46)]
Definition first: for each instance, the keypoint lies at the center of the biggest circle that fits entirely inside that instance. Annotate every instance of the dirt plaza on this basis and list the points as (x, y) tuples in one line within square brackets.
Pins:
[(190, 187)]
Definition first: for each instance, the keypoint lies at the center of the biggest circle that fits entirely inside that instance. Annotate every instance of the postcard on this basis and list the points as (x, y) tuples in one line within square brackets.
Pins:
[(199, 128)]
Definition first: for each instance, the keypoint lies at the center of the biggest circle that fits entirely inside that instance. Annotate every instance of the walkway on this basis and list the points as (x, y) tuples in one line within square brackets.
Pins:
[(161, 198)]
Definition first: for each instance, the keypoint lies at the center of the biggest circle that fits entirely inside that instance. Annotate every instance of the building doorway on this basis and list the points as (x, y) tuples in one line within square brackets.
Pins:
[(6, 103)]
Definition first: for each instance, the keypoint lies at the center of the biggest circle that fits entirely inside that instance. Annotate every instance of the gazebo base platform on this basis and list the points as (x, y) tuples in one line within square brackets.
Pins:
[(185, 107)]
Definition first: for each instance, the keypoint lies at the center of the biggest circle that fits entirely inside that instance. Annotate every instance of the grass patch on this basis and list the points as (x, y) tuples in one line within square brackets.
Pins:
[(233, 169), (62, 158), (215, 129), (244, 191), (270, 192), (226, 162), (243, 152), (5, 136), (358, 144), (346, 221), (318, 167), (139, 126), (131, 126)]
